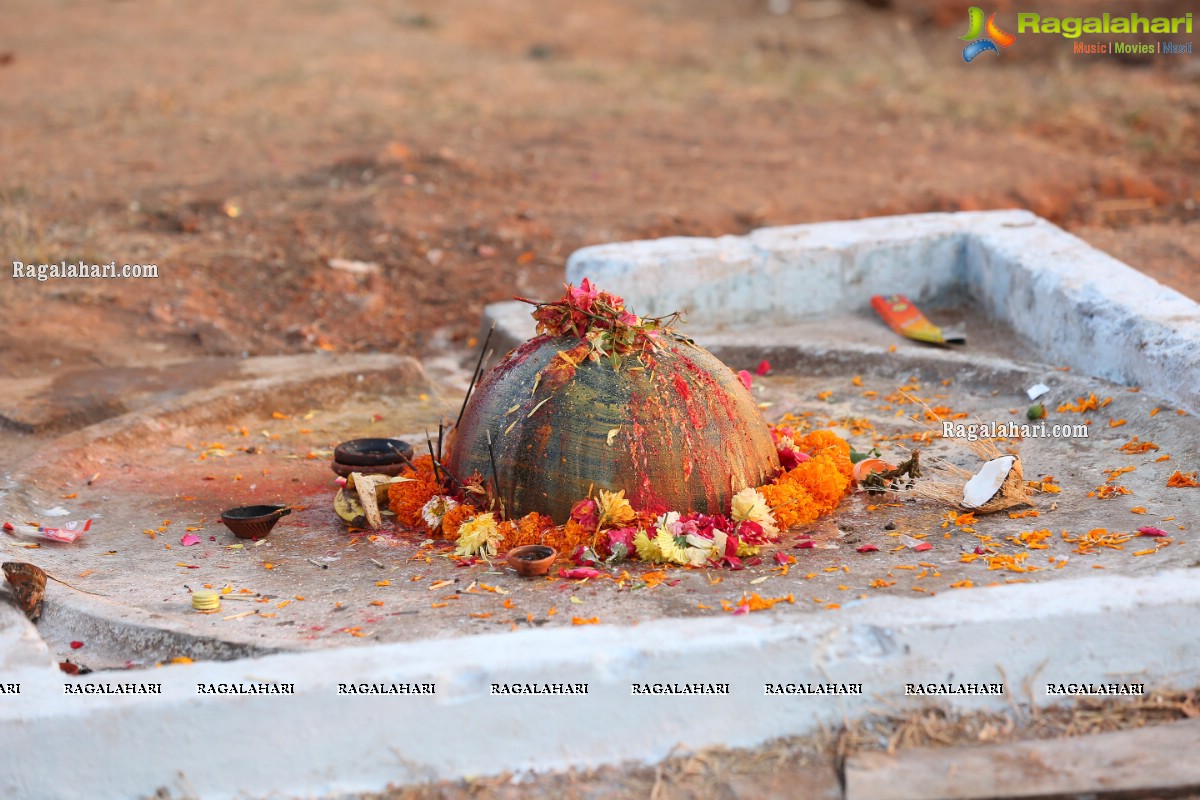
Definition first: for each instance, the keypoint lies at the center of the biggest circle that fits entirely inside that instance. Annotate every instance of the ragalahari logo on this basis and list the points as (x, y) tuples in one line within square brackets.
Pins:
[(995, 39)]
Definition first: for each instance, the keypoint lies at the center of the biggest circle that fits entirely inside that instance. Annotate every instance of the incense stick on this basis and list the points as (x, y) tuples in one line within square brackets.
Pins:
[(475, 375)]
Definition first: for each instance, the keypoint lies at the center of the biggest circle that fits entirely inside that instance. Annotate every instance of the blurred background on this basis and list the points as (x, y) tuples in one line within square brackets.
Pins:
[(462, 150)]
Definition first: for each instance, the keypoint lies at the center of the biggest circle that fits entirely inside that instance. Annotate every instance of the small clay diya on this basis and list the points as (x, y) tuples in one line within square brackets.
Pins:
[(253, 522), (531, 560), (376, 456)]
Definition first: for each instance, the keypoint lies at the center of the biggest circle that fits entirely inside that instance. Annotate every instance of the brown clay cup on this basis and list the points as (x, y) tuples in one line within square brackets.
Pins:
[(531, 560), (253, 522)]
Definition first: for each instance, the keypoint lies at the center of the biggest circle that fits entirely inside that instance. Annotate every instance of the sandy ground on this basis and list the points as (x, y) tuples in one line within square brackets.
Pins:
[(466, 154)]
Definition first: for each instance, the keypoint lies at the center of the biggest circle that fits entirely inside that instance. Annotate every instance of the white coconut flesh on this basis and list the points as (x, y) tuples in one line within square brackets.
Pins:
[(984, 485)]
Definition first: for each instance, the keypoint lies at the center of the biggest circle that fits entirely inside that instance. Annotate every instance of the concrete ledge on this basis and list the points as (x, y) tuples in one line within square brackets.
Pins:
[(319, 742), (20, 645), (1073, 304)]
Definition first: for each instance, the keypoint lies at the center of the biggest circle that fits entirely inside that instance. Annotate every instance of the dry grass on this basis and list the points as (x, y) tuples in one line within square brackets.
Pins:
[(808, 766), (935, 727)]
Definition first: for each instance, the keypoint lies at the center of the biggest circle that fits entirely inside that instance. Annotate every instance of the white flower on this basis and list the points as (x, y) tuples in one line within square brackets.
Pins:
[(748, 504), (667, 523), (438, 506), (700, 549), (720, 542)]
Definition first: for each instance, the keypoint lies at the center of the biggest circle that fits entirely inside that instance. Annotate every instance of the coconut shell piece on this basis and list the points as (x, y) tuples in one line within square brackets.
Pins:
[(944, 481)]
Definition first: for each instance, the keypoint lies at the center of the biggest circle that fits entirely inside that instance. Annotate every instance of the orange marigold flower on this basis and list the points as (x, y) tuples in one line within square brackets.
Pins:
[(407, 499), (792, 504), (567, 538), (1182, 479), (529, 529), (823, 479), (1135, 447), (822, 441), (454, 519)]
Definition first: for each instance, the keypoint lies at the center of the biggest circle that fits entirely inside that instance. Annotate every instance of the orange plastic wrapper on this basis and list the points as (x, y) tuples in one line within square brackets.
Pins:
[(907, 320)]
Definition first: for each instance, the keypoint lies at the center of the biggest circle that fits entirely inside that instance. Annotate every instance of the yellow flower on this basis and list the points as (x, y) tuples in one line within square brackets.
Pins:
[(670, 549), (614, 509), (745, 550), (748, 504), (479, 536), (647, 548)]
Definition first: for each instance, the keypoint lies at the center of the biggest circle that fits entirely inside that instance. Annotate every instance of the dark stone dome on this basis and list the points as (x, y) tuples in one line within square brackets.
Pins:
[(676, 429)]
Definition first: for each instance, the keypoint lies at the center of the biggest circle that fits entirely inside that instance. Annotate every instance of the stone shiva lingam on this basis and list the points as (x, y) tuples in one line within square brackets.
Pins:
[(603, 399)]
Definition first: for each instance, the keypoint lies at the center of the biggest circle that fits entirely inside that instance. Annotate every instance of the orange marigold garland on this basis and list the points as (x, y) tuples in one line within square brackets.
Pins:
[(607, 528), (792, 504), (569, 537), (529, 529), (814, 486)]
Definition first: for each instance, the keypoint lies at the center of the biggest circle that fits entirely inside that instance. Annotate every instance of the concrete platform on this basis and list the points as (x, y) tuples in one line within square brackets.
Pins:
[(376, 610), (322, 588)]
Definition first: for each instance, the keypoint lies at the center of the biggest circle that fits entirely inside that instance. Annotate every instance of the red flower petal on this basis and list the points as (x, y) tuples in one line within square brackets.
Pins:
[(76, 645), (868, 548), (1148, 531), (805, 545), (763, 368), (923, 546)]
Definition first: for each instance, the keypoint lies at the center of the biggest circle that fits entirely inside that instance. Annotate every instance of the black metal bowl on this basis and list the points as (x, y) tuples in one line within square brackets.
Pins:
[(373, 452)]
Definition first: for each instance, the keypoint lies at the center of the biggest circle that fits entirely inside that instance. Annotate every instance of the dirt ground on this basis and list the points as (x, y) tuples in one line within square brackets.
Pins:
[(240, 148), (467, 149)]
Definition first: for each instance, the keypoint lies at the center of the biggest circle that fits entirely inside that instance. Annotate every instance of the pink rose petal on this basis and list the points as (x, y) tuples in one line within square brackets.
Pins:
[(1148, 531), (923, 546), (782, 558), (189, 539), (745, 378), (579, 573)]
